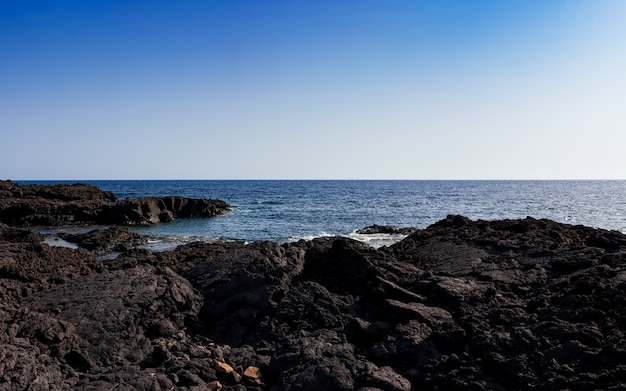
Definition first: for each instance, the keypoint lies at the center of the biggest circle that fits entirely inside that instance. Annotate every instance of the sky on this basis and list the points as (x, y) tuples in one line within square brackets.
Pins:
[(303, 89)]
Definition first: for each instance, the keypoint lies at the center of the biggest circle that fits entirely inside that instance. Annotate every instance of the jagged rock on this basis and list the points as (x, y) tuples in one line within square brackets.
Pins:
[(112, 311), (152, 210), (214, 385), (242, 286), (322, 360), (386, 229), (28, 268), (190, 255), (13, 234), (222, 367), (253, 373), (461, 305), (100, 241), (32, 205)]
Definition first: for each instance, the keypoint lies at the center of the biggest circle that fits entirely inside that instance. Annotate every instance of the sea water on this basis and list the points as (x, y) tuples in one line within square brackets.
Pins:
[(289, 210)]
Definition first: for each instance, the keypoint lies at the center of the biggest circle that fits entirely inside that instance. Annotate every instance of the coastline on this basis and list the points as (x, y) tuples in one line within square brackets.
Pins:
[(282, 210), (461, 304)]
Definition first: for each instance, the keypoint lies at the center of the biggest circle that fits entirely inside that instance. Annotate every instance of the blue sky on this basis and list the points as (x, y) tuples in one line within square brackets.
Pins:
[(524, 89)]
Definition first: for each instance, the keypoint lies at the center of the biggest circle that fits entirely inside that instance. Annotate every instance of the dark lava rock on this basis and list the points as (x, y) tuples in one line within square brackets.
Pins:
[(29, 268), (132, 305), (17, 234), (242, 286), (100, 241), (461, 305), (62, 204), (386, 229), (152, 210)]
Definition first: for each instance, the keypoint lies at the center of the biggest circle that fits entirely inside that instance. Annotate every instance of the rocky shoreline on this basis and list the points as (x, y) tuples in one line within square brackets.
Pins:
[(461, 305), (80, 204)]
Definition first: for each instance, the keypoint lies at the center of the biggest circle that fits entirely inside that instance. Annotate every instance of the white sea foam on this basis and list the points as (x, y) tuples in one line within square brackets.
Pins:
[(297, 238), (377, 240), (160, 243), (163, 242), (55, 241), (374, 240)]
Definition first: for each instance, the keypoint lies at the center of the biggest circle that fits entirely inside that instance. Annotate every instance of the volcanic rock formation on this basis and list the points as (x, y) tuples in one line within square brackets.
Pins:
[(62, 204), (461, 305)]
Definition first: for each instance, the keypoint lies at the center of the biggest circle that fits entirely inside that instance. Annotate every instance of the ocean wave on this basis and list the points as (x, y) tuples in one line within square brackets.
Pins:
[(161, 243), (377, 240), (297, 238), (374, 240)]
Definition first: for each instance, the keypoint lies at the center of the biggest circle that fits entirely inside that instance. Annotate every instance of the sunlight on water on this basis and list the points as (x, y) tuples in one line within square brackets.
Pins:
[(285, 211)]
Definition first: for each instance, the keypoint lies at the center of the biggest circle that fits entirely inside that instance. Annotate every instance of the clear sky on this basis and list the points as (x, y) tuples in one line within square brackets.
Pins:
[(386, 89)]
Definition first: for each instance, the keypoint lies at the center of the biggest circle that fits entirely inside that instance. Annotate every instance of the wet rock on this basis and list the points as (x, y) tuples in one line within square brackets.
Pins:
[(386, 229), (100, 241)]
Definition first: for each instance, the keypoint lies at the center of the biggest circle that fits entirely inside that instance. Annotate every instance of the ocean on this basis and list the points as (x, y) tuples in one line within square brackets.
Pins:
[(289, 210)]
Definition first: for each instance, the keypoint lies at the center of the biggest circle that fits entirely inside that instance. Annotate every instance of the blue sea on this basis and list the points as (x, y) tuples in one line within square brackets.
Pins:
[(289, 210)]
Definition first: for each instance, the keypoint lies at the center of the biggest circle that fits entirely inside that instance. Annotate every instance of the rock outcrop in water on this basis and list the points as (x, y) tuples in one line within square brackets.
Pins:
[(32, 205), (386, 229), (462, 305)]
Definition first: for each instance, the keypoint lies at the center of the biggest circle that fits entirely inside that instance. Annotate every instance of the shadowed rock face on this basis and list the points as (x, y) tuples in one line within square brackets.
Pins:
[(462, 305), (32, 205)]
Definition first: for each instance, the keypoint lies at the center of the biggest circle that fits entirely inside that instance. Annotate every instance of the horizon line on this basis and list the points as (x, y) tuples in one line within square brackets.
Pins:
[(319, 179)]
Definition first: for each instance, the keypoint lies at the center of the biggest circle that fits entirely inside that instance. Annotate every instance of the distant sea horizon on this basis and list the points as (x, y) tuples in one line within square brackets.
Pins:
[(70, 180)]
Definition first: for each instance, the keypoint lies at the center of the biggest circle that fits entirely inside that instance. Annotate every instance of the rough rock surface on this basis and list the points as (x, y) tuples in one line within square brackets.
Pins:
[(462, 305), (32, 205), (101, 241)]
